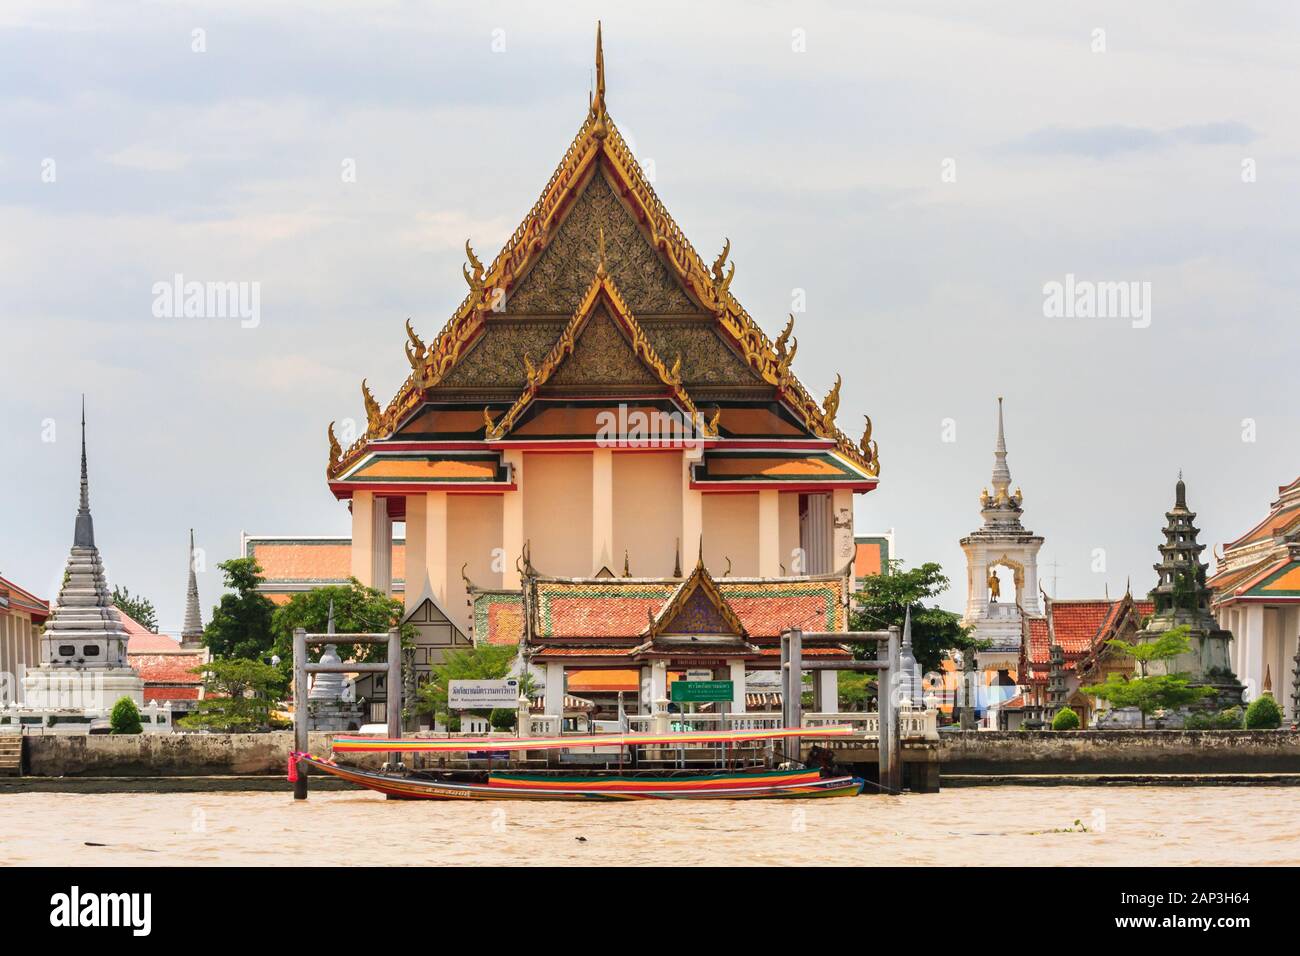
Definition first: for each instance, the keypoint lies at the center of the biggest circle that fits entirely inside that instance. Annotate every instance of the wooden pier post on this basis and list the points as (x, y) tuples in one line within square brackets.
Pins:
[(394, 693), (300, 708), (891, 767), (794, 689)]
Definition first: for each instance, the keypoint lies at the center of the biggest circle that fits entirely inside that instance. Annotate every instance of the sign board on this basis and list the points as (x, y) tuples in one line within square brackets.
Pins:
[(699, 674), (483, 694), (699, 691)]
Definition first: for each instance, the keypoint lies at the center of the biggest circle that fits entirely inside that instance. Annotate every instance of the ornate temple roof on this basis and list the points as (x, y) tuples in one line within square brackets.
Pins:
[(597, 293), (1263, 565), (16, 599), (1081, 627)]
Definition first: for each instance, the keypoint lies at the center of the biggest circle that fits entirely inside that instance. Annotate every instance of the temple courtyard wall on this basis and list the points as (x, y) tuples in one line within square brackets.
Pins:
[(971, 754)]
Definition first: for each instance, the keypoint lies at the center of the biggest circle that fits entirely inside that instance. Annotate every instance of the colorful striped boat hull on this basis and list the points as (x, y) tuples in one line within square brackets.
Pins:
[(735, 786)]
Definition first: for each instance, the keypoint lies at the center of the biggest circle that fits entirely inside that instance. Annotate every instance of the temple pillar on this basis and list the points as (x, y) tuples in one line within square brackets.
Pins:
[(737, 686), (769, 533), (512, 521), (1252, 671), (602, 510), (415, 549), (692, 515), (435, 546), (372, 541), (842, 523), (554, 697)]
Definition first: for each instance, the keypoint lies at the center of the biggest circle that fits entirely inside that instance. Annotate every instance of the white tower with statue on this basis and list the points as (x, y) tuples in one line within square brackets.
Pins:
[(1001, 568)]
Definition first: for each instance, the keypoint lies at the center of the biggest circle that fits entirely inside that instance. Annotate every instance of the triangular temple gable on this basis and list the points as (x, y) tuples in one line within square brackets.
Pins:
[(602, 355), (620, 331), (697, 608), (557, 280)]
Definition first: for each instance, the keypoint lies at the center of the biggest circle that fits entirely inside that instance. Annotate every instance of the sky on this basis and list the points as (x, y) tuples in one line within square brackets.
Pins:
[(922, 171)]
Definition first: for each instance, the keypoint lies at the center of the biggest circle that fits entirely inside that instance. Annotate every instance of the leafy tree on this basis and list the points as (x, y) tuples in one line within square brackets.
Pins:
[(241, 623), (856, 690), (124, 718), (883, 600), (1151, 693), (238, 696), (1065, 719), (1263, 714), (140, 609), (357, 609), (481, 662)]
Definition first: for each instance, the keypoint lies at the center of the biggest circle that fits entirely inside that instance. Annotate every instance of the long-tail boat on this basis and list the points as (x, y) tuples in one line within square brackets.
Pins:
[(524, 785)]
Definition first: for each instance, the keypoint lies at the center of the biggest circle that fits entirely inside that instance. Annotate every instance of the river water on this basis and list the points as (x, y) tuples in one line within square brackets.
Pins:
[(960, 826)]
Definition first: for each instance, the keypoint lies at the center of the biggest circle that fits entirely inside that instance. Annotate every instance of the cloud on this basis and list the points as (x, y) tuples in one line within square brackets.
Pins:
[(1103, 142)]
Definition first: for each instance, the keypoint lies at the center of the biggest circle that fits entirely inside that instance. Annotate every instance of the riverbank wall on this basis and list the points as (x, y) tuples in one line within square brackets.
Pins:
[(982, 753)]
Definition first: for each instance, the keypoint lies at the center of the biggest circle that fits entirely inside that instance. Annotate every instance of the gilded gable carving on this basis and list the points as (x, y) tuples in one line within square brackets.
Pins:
[(497, 358), (603, 356), (556, 283), (706, 360)]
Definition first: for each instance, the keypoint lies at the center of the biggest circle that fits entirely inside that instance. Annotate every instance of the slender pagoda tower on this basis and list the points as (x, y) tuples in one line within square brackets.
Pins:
[(83, 649), (192, 628), (1181, 597)]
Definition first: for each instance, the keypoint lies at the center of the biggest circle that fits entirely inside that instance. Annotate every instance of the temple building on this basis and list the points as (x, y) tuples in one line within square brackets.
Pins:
[(84, 668), (1078, 630), (598, 406), (998, 604), (1256, 595), (21, 616)]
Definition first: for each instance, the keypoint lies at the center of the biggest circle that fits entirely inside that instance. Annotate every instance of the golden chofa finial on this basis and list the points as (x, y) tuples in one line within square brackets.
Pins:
[(596, 102)]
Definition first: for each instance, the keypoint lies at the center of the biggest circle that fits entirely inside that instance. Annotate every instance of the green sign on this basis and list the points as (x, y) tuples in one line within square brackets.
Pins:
[(699, 691)]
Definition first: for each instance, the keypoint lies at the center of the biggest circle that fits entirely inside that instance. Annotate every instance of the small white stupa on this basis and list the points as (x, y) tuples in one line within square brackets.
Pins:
[(84, 669)]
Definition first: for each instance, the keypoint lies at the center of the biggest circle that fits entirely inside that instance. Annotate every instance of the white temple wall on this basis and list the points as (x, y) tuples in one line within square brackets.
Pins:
[(647, 517), (558, 512), (473, 542), (731, 531)]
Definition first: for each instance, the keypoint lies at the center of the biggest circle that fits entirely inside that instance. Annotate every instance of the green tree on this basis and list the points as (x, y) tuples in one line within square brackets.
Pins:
[(124, 718), (241, 623), (1263, 714), (856, 690), (140, 609), (482, 662), (1146, 692), (883, 600), (357, 610), (1065, 719), (238, 696)]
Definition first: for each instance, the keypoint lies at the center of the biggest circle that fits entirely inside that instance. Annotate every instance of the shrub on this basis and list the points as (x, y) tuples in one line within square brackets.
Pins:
[(1263, 714), (1229, 718), (125, 718), (1065, 719)]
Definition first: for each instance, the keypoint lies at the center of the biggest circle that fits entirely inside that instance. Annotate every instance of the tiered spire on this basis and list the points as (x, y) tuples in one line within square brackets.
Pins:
[(192, 629), (1002, 508), (84, 534), (85, 630), (1180, 590)]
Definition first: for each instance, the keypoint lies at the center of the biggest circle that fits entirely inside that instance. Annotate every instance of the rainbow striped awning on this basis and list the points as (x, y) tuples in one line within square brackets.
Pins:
[(464, 744)]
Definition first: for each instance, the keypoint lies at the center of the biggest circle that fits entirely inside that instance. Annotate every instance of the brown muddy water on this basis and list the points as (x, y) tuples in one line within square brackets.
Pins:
[(964, 826)]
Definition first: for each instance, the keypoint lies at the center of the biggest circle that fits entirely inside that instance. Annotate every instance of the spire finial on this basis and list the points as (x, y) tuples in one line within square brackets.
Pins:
[(598, 104), (1180, 492), (329, 623), (83, 535), (677, 559), (1001, 473), (907, 627)]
